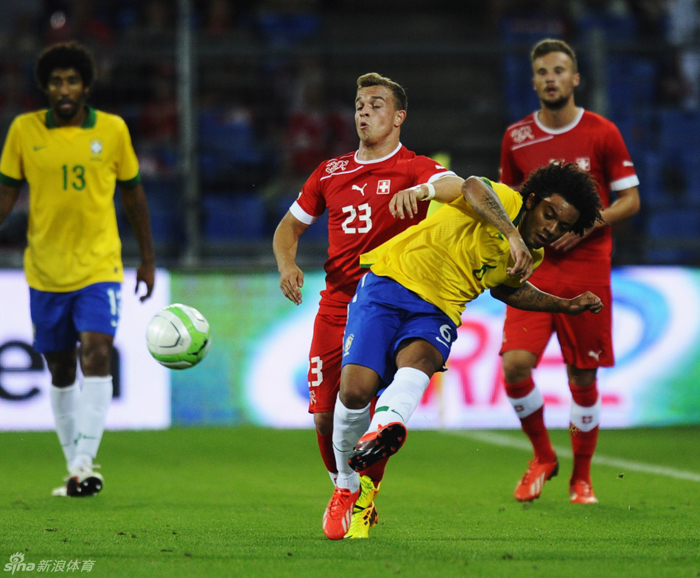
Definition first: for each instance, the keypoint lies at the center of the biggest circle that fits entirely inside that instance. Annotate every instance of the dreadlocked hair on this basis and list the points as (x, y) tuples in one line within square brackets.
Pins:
[(573, 184)]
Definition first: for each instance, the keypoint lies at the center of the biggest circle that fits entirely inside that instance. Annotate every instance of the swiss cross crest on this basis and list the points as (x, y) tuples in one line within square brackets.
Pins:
[(522, 133), (384, 187), (584, 163), (335, 165), (96, 147)]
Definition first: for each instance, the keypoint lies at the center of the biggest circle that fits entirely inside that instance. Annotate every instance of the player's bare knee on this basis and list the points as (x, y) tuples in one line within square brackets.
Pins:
[(517, 367), (324, 423), (512, 374), (95, 359), (581, 377), (62, 366), (419, 354), (358, 385), (355, 397), (62, 375)]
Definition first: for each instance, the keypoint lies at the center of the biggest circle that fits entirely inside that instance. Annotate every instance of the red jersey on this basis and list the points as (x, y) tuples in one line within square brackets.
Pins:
[(356, 195), (596, 145)]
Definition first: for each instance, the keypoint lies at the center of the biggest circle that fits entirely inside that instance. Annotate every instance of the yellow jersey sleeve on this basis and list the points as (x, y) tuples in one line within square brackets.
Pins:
[(11, 173), (128, 165)]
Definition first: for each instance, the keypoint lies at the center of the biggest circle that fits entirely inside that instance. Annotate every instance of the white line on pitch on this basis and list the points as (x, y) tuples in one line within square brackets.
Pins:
[(507, 441)]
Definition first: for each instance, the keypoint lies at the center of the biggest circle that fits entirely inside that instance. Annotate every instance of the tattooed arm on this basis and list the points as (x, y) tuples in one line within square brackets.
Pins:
[(530, 298), (487, 205)]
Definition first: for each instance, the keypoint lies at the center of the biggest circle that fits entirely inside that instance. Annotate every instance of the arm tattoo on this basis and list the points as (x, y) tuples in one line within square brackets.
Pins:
[(488, 206), (530, 298), (492, 211)]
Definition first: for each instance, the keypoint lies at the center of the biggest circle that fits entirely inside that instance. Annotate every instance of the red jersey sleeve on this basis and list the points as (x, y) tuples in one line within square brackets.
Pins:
[(311, 199), (426, 170), (618, 166)]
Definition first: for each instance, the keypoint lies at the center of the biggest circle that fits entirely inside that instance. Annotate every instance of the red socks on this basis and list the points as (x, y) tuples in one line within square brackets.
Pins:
[(325, 444), (530, 409), (585, 417)]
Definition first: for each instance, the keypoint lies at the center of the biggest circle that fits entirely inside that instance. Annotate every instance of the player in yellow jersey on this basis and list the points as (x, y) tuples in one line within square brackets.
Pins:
[(403, 318), (72, 156)]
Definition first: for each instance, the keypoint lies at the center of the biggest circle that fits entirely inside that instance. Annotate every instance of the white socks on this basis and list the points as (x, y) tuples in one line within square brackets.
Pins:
[(586, 418), (64, 403), (95, 398), (348, 427), (525, 406), (397, 403), (401, 398), (80, 416)]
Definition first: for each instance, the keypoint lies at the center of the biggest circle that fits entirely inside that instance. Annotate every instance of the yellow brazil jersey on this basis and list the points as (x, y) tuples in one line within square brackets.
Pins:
[(453, 256), (72, 172)]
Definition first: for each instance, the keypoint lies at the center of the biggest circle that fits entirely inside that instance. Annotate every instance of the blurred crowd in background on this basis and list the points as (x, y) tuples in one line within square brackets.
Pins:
[(275, 81)]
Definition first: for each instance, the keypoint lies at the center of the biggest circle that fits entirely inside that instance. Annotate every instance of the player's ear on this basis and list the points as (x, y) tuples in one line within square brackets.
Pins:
[(577, 79), (531, 202), (399, 117)]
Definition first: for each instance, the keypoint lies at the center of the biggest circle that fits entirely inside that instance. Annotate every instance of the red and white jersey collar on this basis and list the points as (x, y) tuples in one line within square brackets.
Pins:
[(562, 129), (374, 161)]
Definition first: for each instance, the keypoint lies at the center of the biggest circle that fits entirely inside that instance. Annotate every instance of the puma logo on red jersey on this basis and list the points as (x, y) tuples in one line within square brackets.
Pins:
[(361, 189)]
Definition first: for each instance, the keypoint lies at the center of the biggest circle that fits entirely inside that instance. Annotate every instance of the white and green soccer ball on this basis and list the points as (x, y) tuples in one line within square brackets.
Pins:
[(178, 336)]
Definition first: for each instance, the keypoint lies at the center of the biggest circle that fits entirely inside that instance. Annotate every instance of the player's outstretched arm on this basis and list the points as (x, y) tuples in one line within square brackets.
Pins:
[(284, 245), (136, 208), (530, 298), (405, 203), (487, 205)]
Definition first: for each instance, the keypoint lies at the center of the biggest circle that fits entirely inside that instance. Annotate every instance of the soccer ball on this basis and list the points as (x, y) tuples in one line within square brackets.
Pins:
[(178, 336)]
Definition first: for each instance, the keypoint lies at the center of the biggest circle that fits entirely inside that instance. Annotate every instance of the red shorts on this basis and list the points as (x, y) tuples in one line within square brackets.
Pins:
[(585, 339), (325, 359)]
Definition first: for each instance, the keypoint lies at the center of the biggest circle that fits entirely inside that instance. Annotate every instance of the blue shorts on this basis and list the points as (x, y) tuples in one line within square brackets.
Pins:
[(384, 313), (58, 318)]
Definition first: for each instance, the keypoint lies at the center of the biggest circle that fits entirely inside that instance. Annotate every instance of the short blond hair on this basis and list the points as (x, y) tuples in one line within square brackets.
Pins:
[(374, 79), (549, 45)]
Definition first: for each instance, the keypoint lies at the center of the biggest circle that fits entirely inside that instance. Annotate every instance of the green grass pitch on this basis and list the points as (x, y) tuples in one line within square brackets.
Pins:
[(248, 502)]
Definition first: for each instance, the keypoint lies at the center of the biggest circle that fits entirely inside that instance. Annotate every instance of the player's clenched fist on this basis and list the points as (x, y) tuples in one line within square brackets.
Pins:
[(405, 203), (585, 302)]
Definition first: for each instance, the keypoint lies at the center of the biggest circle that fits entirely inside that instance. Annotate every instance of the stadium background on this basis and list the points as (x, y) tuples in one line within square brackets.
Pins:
[(232, 104)]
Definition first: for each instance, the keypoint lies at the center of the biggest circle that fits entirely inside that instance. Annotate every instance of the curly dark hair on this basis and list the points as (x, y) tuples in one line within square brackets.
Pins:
[(573, 184), (65, 55), (374, 79)]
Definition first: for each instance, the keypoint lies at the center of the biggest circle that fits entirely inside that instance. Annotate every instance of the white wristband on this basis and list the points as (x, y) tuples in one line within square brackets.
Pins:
[(431, 192)]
